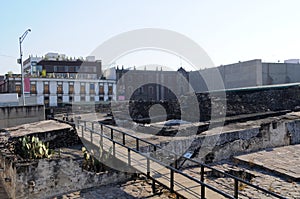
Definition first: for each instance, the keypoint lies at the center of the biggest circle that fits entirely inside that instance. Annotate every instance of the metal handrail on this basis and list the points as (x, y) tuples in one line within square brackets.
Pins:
[(236, 179), (161, 163)]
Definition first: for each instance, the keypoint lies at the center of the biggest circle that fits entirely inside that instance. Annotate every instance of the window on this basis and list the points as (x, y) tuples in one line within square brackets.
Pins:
[(101, 98), (101, 90), (82, 88), (49, 68), (92, 88), (18, 89), (141, 90), (150, 90), (92, 98), (33, 88), (70, 98), (60, 88), (59, 101), (82, 98), (110, 90), (46, 100), (46, 87), (71, 69), (60, 69), (71, 88)]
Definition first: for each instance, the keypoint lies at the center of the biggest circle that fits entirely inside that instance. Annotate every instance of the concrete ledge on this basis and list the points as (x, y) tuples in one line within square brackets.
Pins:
[(16, 115)]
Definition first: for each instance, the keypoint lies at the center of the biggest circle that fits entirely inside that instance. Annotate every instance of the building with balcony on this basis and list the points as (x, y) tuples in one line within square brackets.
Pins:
[(55, 80), (61, 66)]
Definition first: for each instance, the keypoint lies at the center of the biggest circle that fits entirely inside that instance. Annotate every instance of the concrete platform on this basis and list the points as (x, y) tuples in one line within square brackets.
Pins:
[(36, 127), (283, 161)]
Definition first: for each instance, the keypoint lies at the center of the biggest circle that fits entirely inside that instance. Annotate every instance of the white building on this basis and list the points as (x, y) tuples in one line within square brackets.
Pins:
[(55, 80)]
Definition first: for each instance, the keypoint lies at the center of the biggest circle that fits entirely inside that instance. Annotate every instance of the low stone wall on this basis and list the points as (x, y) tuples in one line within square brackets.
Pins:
[(221, 143), (16, 115), (57, 134), (46, 178)]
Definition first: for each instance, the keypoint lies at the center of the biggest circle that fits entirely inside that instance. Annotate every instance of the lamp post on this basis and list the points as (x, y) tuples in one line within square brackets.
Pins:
[(21, 39)]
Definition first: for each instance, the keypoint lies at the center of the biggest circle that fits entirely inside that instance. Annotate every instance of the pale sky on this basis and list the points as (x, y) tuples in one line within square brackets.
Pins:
[(228, 30)]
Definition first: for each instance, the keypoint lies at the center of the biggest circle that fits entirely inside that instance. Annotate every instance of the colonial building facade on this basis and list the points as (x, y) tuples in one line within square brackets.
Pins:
[(151, 84), (56, 82)]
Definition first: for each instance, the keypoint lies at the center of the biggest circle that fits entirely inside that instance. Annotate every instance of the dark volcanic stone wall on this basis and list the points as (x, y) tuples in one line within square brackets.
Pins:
[(236, 102), (262, 100)]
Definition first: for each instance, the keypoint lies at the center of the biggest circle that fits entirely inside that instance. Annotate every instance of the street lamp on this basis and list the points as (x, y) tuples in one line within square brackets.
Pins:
[(21, 63)]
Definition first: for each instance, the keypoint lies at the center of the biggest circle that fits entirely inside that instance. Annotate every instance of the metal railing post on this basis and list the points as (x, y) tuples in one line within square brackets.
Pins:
[(92, 125), (91, 136), (123, 139), (137, 144), (112, 134), (172, 181), (101, 136), (175, 162), (202, 180), (114, 148), (148, 167), (82, 134), (236, 188), (153, 186), (129, 158)]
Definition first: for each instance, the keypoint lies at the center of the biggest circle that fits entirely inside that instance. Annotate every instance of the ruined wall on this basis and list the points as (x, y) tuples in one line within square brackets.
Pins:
[(16, 115), (50, 177), (46, 178), (63, 137), (265, 135), (234, 102), (293, 129), (220, 144)]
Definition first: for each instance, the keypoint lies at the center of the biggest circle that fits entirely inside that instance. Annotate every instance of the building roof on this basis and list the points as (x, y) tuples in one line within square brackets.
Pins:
[(77, 62)]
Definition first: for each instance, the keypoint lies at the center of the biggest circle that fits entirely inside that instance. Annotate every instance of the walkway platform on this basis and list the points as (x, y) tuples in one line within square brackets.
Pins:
[(284, 161), (183, 185)]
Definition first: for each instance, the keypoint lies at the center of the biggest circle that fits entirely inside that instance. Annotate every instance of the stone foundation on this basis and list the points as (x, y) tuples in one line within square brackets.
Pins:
[(50, 177), (45, 178)]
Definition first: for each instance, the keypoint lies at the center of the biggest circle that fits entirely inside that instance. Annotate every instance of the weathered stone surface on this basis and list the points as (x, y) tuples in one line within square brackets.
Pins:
[(261, 177), (284, 161), (37, 127), (56, 133), (44, 178), (133, 189)]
